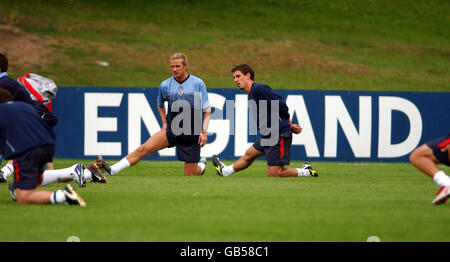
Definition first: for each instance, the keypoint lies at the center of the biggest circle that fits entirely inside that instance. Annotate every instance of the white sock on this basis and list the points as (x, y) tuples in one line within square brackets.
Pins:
[(8, 169), (87, 174), (228, 170), (441, 179), (202, 165), (119, 166), (58, 197), (303, 172), (51, 176)]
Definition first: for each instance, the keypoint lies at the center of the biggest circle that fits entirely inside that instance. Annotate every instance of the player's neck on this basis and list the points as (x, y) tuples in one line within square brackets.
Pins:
[(181, 78), (248, 88)]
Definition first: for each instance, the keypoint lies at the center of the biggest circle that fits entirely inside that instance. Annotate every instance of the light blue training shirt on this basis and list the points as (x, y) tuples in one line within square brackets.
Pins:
[(191, 90)]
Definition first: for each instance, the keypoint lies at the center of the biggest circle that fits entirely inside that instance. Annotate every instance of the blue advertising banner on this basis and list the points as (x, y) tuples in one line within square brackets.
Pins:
[(337, 125)]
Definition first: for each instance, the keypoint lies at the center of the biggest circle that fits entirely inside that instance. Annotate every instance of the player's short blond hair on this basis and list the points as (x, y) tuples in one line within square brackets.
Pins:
[(180, 56)]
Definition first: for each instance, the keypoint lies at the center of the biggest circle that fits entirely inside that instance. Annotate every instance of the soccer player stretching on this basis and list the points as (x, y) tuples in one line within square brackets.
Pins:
[(277, 150), (30, 142), (180, 89), (427, 157)]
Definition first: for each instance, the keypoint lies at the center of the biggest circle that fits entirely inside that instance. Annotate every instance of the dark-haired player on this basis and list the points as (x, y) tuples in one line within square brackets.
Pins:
[(275, 142)]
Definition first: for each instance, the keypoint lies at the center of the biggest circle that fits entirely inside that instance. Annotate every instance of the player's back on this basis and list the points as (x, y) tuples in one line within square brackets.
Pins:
[(21, 128)]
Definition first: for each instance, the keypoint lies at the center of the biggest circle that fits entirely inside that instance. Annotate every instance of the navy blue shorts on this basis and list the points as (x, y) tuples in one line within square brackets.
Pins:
[(187, 146), (276, 155), (437, 144), (29, 166)]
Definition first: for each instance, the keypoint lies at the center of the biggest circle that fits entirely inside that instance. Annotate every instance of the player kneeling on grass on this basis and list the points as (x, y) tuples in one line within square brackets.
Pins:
[(30, 142), (275, 145), (180, 89), (427, 157)]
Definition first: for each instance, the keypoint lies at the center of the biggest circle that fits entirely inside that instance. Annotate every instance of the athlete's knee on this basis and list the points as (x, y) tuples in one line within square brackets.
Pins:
[(143, 150), (193, 170), (140, 150), (22, 200), (275, 172), (419, 153), (249, 155), (413, 156), (22, 197)]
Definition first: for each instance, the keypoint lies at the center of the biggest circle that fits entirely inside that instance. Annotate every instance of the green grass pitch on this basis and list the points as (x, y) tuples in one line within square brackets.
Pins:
[(154, 202)]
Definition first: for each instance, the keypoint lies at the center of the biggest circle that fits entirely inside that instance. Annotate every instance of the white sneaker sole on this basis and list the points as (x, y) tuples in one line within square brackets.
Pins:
[(442, 197)]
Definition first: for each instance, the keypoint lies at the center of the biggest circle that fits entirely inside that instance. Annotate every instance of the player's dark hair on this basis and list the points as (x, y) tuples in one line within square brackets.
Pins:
[(3, 63), (5, 96), (245, 69)]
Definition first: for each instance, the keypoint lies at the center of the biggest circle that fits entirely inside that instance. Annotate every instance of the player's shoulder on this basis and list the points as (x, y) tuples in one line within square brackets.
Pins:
[(260, 85), (260, 88), (15, 105), (167, 82), (9, 81), (196, 79)]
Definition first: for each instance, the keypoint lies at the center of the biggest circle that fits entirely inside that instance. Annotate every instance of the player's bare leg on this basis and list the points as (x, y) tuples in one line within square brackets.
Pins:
[(66, 195), (195, 169), (155, 143), (33, 196), (242, 163), (424, 160), (281, 171), (247, 159), (192, 169)]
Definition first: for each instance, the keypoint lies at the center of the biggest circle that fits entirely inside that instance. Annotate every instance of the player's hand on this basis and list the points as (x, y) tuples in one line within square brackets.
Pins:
[(202, 139), (446, 149), (164, 126), (296, 129)]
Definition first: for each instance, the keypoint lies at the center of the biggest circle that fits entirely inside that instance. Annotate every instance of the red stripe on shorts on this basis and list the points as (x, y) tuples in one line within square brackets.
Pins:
[(16, 171), (281, 148), (444, 143)]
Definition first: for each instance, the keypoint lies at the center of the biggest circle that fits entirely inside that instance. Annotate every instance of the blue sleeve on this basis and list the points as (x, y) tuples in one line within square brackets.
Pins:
[(266, 93), (161, 98)]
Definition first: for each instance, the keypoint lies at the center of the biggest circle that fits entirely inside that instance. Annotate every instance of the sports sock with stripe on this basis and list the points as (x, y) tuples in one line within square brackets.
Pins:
[(58, 197)]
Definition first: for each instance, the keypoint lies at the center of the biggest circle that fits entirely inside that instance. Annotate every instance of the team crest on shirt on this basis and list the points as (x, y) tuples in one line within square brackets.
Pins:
[(180, 91)]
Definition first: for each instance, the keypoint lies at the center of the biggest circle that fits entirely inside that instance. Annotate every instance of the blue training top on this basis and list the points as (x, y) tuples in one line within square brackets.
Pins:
[(21, 129), (259, 92), (192, 90)]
